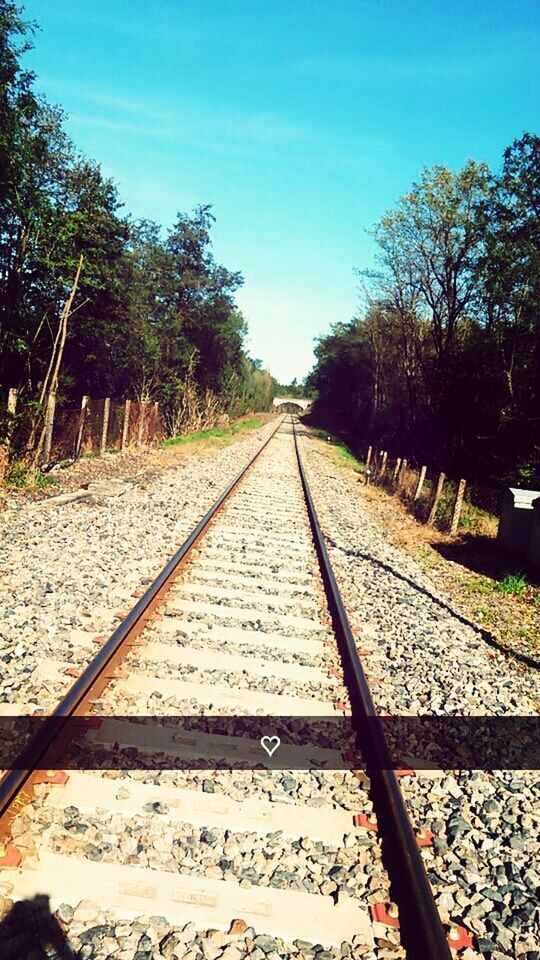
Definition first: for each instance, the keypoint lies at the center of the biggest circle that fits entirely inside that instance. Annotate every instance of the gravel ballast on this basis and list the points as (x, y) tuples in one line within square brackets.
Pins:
[(483, 864), (74, 567), (71, 572)]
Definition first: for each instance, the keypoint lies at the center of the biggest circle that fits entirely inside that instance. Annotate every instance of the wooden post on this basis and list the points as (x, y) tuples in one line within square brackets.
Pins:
[(436, 498), (396, 468), (84, 412), (156, 431), (421, 479), (13, 393), (125, 428), (402, 473), (12, 400), (383, 463), (368, 458), (5, 444), (48, 427), (105, 425), (141, 424), (458, 503)]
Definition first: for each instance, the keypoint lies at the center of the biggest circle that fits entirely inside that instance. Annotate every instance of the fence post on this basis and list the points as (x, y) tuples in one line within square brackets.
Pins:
[(421, 479), (105, 425), (402, 473), (457, 506), (368, 458), (396, 468), (5, 444), (383, 464), (156, 430), (84, 412), (13, 393), (48, 427), (436, 498), (125, 427)]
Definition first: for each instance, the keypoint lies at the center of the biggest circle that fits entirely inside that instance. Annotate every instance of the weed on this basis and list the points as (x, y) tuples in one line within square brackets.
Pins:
[(349, 458), (513, 583), (22, 475), (43, 480), (17, 474), (485, 615), (426, 558), (479, 585)]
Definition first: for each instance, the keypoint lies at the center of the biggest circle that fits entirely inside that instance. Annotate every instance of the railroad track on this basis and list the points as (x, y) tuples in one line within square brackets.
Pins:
[(242, 635)]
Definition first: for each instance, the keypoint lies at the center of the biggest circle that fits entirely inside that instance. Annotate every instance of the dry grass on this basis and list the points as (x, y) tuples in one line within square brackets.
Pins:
[(485, 583)]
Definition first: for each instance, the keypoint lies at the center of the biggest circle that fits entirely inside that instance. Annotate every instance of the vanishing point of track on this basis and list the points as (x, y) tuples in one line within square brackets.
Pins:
[(262, 540)]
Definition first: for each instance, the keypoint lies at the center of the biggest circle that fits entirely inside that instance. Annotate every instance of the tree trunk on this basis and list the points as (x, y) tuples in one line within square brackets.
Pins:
[(50, 383)]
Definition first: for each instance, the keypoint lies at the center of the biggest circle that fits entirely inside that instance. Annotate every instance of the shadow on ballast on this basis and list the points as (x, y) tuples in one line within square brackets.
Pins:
[(30, 930)]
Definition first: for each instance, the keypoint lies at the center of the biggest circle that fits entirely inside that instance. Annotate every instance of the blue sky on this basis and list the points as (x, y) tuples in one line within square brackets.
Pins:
[(301, 121)]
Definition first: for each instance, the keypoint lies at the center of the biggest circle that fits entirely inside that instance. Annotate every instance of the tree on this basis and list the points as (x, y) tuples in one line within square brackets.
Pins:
[(510, 296), (443, 360)]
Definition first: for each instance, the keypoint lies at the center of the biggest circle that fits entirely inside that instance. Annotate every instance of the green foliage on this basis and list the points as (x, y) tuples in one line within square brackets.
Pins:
[(43, 480), (349, 458), (442, 364), (21, 475), (514, 583), (480, 585), (231, 430), (344, 454), (293, 389), (154, 316), (16, 474)]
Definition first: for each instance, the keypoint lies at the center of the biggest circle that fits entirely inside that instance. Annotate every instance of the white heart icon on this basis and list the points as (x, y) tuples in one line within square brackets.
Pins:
[(270, 744)]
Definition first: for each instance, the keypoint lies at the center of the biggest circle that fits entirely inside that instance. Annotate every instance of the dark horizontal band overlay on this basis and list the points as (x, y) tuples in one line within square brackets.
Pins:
[(305, 743)]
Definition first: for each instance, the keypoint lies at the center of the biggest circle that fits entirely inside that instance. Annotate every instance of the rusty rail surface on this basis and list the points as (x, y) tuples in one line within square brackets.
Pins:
[(422, 930), (17, 785)]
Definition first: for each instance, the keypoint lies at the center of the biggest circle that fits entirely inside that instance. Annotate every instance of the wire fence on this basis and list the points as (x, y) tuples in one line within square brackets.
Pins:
[(95, 427), (68, 429), (115, 425), (443, 502)]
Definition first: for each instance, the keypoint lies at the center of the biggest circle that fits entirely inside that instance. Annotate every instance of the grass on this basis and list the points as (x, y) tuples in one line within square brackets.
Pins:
[(513, 583), (426, 558), (530, 636), (473, 519), (343, 453), (479, 585), (23, 476), (478, 521), (250, 424), (469, 568)]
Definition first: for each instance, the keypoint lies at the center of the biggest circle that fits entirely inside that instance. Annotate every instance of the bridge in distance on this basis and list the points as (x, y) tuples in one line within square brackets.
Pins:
[(295, 401)]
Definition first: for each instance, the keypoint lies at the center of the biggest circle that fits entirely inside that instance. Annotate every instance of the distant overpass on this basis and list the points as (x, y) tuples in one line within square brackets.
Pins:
[(302, 404)]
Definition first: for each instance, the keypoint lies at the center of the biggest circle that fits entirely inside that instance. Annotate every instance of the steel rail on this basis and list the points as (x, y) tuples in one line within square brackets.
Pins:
[(423, 933), (97, 674)]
